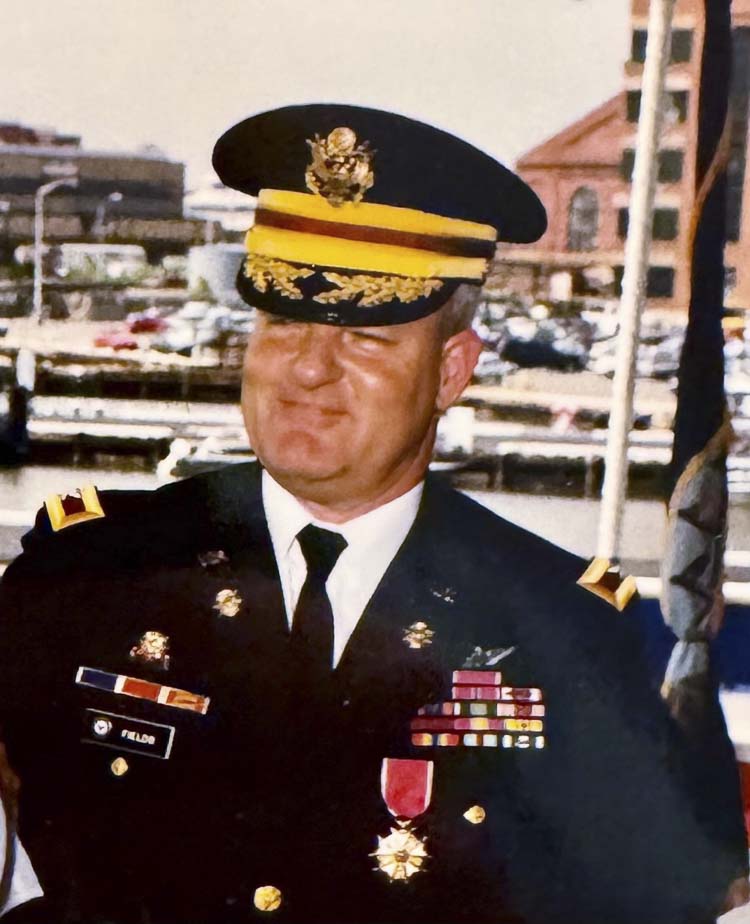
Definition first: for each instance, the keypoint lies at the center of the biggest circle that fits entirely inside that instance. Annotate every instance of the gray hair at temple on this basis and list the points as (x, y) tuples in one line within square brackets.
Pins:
[(458, 312)]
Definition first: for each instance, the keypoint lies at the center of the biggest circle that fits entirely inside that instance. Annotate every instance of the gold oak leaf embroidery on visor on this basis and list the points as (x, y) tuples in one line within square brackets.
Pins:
[(376, 290), (280, 276)]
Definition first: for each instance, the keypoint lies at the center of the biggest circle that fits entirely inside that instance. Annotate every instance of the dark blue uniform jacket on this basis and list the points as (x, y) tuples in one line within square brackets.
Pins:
[(615, 820)]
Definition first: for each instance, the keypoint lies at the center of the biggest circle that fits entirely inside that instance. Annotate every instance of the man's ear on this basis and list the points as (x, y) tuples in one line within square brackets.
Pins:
[(460, 355)]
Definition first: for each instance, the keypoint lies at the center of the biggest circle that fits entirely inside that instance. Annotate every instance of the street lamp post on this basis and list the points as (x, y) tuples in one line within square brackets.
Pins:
[(101, 211), (36, 309)]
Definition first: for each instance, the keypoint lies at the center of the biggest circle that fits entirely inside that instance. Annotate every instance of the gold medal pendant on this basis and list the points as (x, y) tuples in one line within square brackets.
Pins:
[(401, 853), (406, 787)]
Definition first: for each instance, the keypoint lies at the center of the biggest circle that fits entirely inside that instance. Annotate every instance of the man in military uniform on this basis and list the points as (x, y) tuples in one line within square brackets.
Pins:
[(326, 687)]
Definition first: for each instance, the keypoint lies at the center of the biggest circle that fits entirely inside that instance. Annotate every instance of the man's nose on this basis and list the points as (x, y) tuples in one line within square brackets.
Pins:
[(315, 361)]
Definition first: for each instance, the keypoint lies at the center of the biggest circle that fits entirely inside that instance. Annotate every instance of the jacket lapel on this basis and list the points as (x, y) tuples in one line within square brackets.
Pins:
[(400, 654), (250, 646)]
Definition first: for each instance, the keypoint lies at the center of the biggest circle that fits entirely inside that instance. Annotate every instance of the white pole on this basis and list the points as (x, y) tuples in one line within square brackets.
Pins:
[(36, 307), (634, 276)]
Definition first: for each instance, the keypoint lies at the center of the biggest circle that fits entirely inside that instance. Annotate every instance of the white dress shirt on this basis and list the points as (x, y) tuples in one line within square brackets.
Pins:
[(372, 542), (24, 884)]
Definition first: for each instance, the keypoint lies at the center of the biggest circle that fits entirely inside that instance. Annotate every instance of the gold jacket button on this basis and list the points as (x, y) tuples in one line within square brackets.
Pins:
[(267, 898), (476, 814), (119, 766)]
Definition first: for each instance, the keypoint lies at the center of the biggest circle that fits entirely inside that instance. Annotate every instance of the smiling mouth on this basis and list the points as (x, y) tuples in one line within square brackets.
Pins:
[(310, 407)]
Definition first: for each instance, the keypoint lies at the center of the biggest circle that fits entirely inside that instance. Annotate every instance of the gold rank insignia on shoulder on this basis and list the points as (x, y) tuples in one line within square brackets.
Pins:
[(603, 579), (71, 509)]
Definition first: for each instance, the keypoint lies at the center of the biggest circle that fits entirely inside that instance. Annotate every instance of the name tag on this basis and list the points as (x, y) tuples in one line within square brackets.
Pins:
[(127, 734)]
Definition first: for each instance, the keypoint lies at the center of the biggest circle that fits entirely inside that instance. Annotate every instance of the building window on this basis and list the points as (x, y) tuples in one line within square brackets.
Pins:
[(678, 104), (739, 102), (676, 110), (735, 180), (681, 46), (670, 165), (730, 280), (665, 224), (583, 219), (638, 49), (623, 216), (633, 105), (619, 273), (660, 282), (626, 164)]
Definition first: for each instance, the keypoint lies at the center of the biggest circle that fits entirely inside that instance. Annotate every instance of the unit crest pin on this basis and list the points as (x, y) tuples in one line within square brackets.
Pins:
[(152, 646), (228, 602)]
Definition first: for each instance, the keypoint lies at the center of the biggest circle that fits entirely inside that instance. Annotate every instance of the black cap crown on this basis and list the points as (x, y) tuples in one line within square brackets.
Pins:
[(366, 217)]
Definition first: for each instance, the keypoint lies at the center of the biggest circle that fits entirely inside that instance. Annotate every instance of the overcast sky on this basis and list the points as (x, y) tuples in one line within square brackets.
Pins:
[(504, 74)]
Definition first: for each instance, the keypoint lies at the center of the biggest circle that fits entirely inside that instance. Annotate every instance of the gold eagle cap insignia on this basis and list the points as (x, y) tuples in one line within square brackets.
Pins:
[(340, 169)]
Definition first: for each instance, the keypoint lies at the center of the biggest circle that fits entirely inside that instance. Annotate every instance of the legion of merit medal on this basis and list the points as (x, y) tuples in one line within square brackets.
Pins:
[(406, 786)]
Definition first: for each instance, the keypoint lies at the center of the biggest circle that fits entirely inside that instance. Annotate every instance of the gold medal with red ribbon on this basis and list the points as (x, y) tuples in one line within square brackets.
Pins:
[(406, 786)]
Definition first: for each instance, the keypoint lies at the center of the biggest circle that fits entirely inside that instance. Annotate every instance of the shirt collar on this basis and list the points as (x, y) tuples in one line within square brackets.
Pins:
[(387, 524)]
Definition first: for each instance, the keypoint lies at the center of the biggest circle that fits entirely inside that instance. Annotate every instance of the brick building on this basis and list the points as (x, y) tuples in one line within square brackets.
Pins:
[(583, 175), (120, 197)]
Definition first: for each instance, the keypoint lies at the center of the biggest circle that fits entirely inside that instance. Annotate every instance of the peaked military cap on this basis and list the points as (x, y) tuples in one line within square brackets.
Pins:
[(365, 217)]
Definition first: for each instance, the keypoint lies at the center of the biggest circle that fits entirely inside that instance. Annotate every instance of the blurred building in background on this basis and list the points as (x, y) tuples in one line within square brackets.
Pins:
[(121, 197), (211, 201), (583, 176)]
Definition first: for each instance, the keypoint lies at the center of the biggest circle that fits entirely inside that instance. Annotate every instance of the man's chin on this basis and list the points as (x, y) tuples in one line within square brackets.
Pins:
[(300, 473)]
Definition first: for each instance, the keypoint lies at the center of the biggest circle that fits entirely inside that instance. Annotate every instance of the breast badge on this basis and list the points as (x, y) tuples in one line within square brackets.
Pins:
[(213, 558), (487, 657), (152, 647), (444, 593), (418, 635), (228, 603), (482, 713), (406, 787)]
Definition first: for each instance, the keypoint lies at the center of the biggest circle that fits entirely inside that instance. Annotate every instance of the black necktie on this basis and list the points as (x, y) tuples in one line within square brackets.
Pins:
[(312, 627)]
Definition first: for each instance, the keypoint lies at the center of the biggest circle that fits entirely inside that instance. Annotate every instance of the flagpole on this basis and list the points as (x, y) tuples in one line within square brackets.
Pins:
[(635, 272)]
